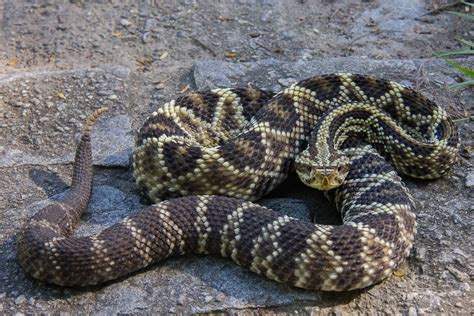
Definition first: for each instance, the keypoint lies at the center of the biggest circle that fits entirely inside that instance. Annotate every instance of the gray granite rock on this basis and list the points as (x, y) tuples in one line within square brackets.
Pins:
[(70, 96), (275, 74), (404, 12), (470, 179), (112, 144), (112, 141)]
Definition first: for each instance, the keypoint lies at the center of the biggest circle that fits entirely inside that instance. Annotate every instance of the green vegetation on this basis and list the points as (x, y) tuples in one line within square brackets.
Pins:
[(467, 49)]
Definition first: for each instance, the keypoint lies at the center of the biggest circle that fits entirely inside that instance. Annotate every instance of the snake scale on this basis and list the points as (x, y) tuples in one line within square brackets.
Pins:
[(210, 153)]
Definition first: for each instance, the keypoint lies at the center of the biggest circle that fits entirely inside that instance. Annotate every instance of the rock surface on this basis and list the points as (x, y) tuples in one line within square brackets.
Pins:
[(204, 284)]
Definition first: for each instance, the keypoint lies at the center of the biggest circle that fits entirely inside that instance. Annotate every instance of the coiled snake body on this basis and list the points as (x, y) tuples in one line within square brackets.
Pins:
[(222, 149)]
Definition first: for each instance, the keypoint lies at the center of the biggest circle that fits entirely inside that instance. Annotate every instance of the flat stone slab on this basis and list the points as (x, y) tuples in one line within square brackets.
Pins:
[(193, 284), (22, 95), (273, 74)]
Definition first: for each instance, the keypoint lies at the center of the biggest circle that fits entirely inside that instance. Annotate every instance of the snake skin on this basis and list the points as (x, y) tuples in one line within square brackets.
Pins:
[(242, 143)]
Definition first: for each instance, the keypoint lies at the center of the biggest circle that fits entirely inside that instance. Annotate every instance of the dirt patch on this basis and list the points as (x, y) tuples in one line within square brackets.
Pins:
[(64, 35)]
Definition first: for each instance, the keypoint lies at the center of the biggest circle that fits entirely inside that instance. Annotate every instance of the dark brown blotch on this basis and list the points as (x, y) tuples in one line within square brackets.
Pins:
[(326, 87)]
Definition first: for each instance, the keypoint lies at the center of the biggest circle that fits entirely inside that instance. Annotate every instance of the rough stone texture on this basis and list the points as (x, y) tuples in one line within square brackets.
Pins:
[(59, 102), (404, 14), (470, 179), (59, 60), (113, 141), (204, 284), (112, 144), (274, 74), (60, 34)]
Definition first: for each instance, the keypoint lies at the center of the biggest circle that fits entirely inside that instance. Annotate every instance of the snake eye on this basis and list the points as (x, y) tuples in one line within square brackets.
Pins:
[(341, 168)]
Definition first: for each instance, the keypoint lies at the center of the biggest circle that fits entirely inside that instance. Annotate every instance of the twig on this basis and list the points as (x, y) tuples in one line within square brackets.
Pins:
[(265, 48), (421, 78), (359, 37), (441, 8), (464, 119), (204, 46), (334, 13)]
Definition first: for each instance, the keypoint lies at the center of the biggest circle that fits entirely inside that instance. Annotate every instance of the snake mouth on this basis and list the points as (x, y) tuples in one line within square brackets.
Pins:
[(323, 179)]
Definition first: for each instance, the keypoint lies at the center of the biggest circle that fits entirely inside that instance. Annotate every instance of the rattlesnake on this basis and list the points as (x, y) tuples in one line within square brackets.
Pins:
[(224, 148)]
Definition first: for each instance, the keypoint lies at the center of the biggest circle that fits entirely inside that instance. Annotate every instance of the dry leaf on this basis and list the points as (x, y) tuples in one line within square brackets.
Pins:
[(163, 56), (224, 18), (469, 149), (399, 273), (375, 30), (117, 34), (61, 95), (371, 22), (230, 54), (12, 62), (140, 69), (144, 61), (466, 113), (279, 50), (184, 89)]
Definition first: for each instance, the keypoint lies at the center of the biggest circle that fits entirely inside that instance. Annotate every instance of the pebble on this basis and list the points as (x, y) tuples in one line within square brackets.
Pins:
[(208, 298), (420, 253), (412, 311), (285, 82), (20, 300), (459, 252), (456, 219), (460, 276), (149, 24), (113, 97), (125, 22), (61, 107), (36, 101), (464, 287), (337, 312), (469, 179), (181, 299), (172, 310), (102, 93), (411, 296)]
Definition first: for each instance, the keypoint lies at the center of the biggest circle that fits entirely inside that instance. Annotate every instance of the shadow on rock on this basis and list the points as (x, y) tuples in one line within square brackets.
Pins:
[(49, 181)]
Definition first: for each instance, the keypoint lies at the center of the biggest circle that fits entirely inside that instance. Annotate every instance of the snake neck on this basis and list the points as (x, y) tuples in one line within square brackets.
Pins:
[(396, 142), (322, 165), (339, 124)]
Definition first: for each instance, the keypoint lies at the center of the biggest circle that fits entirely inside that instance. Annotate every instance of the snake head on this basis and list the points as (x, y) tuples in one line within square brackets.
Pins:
[(322, 176)]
